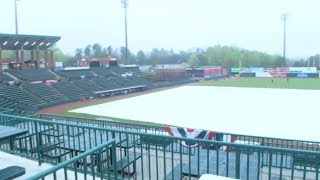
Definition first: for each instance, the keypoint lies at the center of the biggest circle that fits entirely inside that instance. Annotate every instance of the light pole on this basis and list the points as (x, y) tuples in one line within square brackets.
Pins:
[(125, 5), (284, 19), (16, 15)]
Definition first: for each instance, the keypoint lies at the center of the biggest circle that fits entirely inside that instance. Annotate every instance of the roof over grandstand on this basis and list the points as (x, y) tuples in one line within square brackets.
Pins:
[(27, 42)]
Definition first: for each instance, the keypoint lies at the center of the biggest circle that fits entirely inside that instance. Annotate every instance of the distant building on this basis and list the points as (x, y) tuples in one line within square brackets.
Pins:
[(97, 62)]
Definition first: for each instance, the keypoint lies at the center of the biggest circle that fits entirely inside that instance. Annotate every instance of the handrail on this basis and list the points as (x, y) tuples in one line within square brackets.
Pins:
[(284, 150), (157, 126)]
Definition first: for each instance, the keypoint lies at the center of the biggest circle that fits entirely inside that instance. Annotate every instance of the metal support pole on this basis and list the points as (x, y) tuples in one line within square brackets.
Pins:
[(125, 5), (52, 61), (46, 59), (22, 58), (284, 19), (16, 16), (17, 57), (38, 58), (0, 59), (32, 59)]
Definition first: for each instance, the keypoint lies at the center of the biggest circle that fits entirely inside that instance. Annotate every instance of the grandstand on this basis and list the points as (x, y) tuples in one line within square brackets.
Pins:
[(88, 85), (46, 93), (106, 72), (75, 74), (20, 96), (32, 74), (73, 92)]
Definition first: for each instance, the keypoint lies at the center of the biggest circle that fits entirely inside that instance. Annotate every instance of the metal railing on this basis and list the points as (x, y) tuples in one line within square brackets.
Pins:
[(79, 167), (141, 155), (154, 129)]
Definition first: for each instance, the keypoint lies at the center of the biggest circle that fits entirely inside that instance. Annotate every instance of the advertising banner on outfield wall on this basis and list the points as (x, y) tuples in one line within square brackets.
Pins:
[(303, 69)]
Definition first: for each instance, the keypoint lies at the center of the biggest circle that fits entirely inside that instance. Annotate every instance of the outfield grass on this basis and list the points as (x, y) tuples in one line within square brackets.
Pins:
[(280, 83)]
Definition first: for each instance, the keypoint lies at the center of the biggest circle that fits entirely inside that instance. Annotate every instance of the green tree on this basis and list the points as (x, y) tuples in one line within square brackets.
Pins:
[(141, 57), (194, 60), (96, 50), (87, 51)]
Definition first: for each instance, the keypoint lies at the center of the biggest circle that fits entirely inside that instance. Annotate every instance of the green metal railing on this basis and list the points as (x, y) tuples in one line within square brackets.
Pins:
[(243, 139), (79, 167), (141, 155)]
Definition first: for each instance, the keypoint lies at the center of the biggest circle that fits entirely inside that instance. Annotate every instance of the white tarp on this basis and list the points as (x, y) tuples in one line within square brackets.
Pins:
[(279, 113)]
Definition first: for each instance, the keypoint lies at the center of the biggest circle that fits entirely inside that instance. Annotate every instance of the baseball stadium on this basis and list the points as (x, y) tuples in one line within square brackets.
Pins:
[(104, 118)]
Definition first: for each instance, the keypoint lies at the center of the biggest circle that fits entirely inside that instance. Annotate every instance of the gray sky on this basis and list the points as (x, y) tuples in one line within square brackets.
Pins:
[(177, 24)]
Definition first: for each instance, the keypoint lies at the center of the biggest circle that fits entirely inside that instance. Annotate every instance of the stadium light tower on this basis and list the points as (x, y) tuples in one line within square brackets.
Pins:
[(284, 19), (125, 5), (16, 15)]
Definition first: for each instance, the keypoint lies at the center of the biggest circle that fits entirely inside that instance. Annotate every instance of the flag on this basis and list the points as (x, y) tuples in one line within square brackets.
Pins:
[(189, 133), (225, 138)]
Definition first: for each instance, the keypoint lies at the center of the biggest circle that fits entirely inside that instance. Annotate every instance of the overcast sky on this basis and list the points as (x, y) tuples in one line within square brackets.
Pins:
[(176, 24)]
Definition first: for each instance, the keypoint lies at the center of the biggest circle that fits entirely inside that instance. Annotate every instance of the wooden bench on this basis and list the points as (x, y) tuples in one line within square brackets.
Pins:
[(11, 172), (125, 162)]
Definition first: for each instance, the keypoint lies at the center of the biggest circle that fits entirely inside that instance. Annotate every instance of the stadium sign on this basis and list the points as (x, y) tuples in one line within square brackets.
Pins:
[(302, 75)]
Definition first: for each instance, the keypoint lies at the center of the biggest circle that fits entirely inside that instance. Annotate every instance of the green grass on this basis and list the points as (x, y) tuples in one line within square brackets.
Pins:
[(267, 83)]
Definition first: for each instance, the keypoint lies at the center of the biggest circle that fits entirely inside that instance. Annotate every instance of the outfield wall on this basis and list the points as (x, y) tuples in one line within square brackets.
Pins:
[(280, 75)]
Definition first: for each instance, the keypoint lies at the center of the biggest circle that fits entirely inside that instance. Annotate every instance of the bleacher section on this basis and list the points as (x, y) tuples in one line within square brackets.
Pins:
[(71, 86), (140, 81), (118, 70), (125, 82), (5, 78), (20, 96), (46, 93), (108, 84), (6, 103), (106, 72), (88, 85), (70, 90), (75, 74), (33, 74)]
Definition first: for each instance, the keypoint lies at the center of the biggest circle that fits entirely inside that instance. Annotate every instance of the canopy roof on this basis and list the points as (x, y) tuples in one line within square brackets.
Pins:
[(26, 42)]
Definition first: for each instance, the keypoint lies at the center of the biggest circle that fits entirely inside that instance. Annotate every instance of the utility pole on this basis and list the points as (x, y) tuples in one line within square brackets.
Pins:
[(125, 5), (16, 15), (284, 19)]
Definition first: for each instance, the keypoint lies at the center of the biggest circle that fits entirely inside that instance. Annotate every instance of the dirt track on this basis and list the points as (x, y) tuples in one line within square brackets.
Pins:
[(64, 107)]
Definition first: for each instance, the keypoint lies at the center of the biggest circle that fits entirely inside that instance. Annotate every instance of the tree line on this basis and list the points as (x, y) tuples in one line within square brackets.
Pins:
[(226, 56)]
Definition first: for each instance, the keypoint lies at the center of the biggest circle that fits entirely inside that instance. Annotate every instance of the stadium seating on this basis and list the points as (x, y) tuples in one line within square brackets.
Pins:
[(106, 72), (6, 103), (70, 90), (88, 85), (46, 93), (18, 95), (108, 84), (126, 81), (140, 81), (75, 74), (118, 70), (33, 74), (5, 78)]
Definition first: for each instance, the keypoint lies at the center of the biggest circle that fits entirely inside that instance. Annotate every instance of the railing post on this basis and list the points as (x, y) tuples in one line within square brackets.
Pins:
[(114, 160), (237, 163), (37, 141)]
